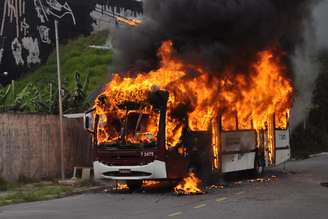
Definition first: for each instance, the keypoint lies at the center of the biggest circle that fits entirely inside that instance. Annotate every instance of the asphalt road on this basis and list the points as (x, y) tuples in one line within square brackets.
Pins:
[(292, 193)]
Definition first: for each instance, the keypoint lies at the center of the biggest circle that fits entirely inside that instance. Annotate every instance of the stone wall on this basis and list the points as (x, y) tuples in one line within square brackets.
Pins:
[(30, 146)]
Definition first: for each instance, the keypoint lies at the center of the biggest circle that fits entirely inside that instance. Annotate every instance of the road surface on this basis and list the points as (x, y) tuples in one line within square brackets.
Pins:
[(292, 193)]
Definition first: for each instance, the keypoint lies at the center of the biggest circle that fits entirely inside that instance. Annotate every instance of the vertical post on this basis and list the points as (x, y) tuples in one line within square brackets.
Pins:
[(61, 130), (13, 93), (274, 143), (219, 119), (215, 147)]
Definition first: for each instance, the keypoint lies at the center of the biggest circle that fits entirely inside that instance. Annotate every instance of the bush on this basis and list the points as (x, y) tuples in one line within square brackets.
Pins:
[(3, 185), (83, 70)]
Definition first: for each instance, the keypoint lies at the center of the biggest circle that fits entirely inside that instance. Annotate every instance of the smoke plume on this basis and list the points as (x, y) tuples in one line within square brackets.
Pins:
[(306, 71), (215, 33), (305, 63)]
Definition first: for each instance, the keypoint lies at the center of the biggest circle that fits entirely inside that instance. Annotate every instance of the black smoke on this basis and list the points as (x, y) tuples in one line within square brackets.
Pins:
[(214, 33)]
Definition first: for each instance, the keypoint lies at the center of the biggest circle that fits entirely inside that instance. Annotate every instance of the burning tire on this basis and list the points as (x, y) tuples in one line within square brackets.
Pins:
[(134, 184)]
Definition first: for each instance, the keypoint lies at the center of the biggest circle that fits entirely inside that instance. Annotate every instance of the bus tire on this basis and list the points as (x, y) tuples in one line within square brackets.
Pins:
[(134, 184)]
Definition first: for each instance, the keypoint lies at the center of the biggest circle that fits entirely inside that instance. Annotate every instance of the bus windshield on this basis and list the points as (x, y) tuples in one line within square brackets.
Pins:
[(134, 128)]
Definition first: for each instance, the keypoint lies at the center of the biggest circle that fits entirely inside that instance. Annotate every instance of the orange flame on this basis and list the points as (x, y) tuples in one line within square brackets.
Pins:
[(189, 185), (150, 183), (121, 186), (246, 100)]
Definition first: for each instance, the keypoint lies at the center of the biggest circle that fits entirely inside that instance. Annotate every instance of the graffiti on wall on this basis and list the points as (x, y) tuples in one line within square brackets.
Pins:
[(47, 8), (25, 47), (1, 55), (32, 46), (16, 48), (1, 50), (27, 28), (44, 34), (13, 11)]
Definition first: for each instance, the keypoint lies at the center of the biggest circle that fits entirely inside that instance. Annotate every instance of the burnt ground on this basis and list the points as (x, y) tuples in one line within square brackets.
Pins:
[(295, 192)]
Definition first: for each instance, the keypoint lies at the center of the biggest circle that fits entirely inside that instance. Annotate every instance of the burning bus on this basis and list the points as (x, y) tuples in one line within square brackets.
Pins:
[(164, 123)]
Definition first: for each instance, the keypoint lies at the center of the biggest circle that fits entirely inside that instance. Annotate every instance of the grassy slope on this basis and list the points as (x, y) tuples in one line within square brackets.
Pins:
[(75, 56)]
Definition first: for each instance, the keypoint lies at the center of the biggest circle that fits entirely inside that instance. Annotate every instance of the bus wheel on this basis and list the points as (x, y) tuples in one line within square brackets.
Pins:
[(134, 184), (259, 168)]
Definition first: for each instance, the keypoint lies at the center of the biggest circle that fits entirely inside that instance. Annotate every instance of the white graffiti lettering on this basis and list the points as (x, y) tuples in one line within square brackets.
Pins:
[(45, 8), (40, 10), (33, 47), (44, 34), (24, 27), (2, 50), (12, 10), (16, 48), (1, 54), (58, 10)]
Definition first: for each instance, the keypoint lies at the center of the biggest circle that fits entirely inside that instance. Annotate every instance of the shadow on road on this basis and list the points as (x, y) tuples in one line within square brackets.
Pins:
[(227, 181)]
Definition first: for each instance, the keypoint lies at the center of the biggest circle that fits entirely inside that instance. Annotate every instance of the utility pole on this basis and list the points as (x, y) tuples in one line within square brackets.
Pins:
[(61, 128)]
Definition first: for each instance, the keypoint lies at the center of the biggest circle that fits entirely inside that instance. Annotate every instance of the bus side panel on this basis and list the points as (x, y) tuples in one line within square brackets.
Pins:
[(238, 150), (237, 162), (282, 146)]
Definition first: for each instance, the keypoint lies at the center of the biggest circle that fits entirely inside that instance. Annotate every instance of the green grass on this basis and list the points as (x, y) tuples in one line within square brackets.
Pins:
[(76, 56), (36, 192), (30, 190)]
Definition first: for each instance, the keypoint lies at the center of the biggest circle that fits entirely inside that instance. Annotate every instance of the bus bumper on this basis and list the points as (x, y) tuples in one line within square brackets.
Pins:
[(153, 170)]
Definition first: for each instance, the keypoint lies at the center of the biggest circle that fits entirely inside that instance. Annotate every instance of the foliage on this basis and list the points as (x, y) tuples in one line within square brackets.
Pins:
[(3, 185), (76, 100), (83, 71), (312, 135), (45, 99)]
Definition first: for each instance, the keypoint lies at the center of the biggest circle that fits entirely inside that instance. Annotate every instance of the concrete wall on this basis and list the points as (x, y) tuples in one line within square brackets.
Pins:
[(30, 145)]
